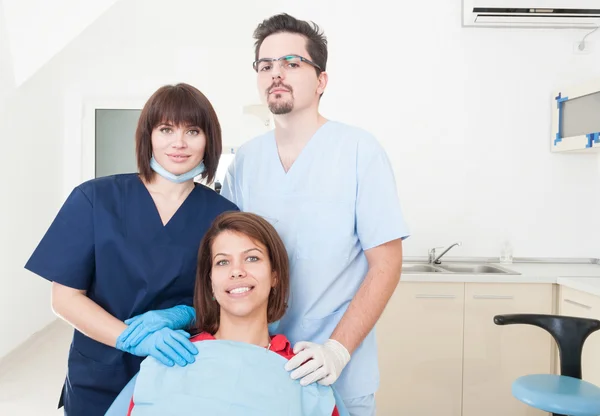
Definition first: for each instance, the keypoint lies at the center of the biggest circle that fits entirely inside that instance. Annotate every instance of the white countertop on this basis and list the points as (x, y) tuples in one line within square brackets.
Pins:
[(589, 285), (583, 277)]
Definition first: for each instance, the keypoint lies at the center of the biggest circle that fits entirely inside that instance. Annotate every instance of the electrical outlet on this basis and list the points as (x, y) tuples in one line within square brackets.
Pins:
[(588, 47)]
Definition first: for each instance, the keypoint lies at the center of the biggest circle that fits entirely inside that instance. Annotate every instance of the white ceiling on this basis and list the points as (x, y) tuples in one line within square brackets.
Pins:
[(33, 31)]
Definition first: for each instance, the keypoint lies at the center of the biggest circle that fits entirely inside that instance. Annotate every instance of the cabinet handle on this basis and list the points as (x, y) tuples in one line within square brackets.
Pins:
[(508, 297), (572, 302), (435, 296)]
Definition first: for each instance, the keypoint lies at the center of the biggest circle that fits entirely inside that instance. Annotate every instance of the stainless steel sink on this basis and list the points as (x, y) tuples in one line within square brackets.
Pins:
[(421, 268), (458, 268), (474, 269)]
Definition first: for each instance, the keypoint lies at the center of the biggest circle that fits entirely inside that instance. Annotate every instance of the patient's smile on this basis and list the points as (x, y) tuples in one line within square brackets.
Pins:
[(240, 291)]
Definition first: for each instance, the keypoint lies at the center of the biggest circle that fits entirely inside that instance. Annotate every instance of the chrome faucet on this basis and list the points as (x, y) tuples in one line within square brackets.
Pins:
[(436, 260)]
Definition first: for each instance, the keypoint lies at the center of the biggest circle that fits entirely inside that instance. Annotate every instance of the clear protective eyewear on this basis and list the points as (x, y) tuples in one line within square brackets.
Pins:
[(287, 62)]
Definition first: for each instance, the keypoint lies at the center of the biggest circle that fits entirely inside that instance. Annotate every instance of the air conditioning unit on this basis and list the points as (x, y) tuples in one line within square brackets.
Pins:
[(532, 13)]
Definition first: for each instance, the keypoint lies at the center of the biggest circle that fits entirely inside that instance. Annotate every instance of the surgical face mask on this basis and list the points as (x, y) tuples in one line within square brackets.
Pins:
[(176, 178)]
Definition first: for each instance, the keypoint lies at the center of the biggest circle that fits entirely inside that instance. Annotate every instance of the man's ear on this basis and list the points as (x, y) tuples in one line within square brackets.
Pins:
[(323, 79)]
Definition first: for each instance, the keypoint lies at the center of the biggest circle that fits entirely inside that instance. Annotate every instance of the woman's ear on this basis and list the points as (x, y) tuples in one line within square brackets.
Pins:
[(274, 280)]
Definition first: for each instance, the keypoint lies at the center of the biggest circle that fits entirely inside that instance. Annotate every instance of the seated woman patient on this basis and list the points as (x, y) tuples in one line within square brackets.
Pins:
[(242, 285)]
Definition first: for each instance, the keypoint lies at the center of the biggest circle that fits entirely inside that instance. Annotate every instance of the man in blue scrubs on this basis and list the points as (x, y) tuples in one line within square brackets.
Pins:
[(329, 190)]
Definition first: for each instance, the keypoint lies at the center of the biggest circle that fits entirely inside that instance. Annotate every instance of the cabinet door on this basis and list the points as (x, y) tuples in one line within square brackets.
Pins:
[(585, 305), (494, 356), (419, 338)]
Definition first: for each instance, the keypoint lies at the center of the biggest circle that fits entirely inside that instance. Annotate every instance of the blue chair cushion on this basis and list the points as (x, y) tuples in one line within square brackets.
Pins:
[(558, 394)]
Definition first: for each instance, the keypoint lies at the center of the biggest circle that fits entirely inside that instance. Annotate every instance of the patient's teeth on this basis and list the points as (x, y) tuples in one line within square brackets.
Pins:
[(239, 290)]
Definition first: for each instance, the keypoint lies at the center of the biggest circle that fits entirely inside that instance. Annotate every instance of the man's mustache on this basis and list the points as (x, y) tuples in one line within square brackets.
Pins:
[(279, 85)]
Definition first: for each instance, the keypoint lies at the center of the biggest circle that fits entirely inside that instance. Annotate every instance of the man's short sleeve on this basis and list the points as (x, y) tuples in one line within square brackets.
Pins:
[(379, 217)]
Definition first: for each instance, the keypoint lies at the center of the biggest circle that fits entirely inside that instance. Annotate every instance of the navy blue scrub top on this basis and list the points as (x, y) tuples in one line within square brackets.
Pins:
[(108, 239)]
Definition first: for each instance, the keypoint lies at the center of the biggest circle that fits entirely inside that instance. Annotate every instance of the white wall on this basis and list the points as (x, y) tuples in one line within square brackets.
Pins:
[(7, 81), (463, 113), (30, 177)]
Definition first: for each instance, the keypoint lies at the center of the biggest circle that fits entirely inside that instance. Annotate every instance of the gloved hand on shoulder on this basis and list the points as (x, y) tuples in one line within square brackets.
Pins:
[(323, 363), (166, 345), (177, 317)]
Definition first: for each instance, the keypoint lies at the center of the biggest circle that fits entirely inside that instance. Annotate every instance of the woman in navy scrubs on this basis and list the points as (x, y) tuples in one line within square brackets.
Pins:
[(122, 251)]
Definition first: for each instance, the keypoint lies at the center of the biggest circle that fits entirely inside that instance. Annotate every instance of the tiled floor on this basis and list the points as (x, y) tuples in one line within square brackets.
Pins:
[(31, 378)]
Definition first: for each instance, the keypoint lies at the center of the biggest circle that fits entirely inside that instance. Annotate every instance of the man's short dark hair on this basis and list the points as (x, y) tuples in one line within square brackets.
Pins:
[(316, 42)]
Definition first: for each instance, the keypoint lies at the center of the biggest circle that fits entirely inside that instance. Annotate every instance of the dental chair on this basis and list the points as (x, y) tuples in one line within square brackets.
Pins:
[(565, 394), (121, 404)]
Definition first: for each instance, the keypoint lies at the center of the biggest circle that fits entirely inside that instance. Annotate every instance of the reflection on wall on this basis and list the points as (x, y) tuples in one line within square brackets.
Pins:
[(115, 141), (224, 162)]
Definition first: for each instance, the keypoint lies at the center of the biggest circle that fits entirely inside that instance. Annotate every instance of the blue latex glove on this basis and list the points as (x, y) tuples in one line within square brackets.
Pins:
[(166, 345), (177, 317)]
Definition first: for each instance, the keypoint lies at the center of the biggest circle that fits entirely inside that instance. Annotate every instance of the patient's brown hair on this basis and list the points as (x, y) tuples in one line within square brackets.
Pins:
[(259, 230)]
